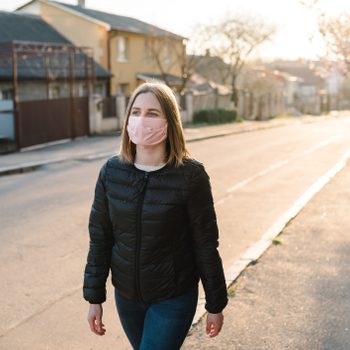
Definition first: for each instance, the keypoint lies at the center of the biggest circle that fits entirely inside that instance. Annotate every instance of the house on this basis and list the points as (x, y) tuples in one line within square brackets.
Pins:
[(207, 94), (292, 90), (260, 90), (132, 50), (45, 83), (307, 99), (37, 46), (212, 68), (206, 80), (318, 87)]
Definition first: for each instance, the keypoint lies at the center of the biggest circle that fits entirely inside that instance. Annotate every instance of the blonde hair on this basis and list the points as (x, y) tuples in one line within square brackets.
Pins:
[(175, 141)]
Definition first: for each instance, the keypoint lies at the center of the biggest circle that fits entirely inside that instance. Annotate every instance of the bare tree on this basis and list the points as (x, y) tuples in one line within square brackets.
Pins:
[(168, 54), (335, 32), (310, 4), (234, 39)]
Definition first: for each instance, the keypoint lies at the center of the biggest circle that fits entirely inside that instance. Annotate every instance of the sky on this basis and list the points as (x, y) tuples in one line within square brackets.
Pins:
[(294, 22)]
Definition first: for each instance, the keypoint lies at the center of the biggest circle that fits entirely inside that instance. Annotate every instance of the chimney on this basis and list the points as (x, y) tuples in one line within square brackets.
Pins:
[(81, 3)]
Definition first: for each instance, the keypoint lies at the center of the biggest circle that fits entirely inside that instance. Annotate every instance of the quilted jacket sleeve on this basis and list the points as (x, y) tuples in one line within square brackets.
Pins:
[(101, 242), (205, 241)]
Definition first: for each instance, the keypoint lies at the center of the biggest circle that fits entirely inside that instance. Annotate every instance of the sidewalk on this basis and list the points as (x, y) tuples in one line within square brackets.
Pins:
[(297, 295), (97, 147)]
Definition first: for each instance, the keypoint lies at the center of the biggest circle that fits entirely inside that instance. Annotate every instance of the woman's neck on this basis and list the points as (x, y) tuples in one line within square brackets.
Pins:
[(151, 155)]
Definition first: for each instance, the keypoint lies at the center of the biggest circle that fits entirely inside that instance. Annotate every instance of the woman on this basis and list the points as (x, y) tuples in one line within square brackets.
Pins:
[(153, 224)]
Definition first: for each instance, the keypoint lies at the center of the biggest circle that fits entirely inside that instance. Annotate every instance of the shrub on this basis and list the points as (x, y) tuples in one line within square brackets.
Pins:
[(214, 116)]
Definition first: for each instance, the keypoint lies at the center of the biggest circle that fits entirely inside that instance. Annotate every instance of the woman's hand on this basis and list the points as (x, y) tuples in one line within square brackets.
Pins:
[(214, 324), (95, 319)]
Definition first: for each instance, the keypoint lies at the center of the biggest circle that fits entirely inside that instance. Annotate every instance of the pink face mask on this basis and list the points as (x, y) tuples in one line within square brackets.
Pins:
[(147, 131)]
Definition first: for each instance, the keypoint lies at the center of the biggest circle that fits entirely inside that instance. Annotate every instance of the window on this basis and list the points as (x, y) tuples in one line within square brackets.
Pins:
[(6, 94), (123, 89), (147, 50), (82, 90), (166, 54), (122, 49), (100, 89), (54, 91)]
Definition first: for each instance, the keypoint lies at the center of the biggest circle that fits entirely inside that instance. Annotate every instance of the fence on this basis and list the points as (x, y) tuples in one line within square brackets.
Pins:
[(107, 114), (260, 106), (109, 107), (211, 100)]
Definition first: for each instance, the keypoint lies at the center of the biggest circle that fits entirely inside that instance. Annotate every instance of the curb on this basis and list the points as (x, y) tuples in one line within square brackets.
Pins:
[(252, 254), (195, 139), (31, 166)]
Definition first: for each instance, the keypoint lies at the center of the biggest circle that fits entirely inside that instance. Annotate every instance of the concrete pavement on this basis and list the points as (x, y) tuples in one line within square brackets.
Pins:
[(97, 147), (297, 295)]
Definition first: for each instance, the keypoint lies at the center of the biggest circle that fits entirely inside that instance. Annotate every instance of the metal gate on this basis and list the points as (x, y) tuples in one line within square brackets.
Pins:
[(50, 120)]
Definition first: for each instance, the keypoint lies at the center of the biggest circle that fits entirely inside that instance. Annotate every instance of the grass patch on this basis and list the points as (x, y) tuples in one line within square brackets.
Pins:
[(284, 116), (277, 241), (239, 119), (231, 292), (214, 116)]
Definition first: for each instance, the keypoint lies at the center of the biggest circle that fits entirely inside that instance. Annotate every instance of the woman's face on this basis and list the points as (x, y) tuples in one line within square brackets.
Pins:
[(147, 105)]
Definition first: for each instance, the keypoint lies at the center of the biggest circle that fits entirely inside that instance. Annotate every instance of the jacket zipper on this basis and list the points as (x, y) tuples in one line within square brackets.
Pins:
[(139, 235)]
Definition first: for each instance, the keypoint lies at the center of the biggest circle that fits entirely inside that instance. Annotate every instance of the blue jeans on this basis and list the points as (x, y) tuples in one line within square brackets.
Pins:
[(158, 326)]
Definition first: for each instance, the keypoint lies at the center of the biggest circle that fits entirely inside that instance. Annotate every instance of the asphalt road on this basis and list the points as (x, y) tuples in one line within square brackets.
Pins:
[(255, 178), (297, 296)]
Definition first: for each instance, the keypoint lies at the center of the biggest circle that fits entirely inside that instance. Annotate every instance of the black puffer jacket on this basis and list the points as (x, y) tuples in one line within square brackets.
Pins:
[(156, 231)]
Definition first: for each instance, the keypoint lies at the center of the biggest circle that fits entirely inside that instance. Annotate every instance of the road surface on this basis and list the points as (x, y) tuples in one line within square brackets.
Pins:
[(255, 178)]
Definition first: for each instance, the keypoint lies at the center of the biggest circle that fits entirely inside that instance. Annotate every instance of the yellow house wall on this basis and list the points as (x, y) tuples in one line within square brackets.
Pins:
[(83, 32), (125, 72), (78, 30)]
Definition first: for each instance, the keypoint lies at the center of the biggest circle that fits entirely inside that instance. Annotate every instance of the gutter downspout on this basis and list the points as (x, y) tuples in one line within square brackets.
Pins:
[(111, 35)]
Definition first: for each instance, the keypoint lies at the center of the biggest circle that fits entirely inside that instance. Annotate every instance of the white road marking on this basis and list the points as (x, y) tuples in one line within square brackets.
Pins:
[(278, 165), (259, 174), (320, 145)]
